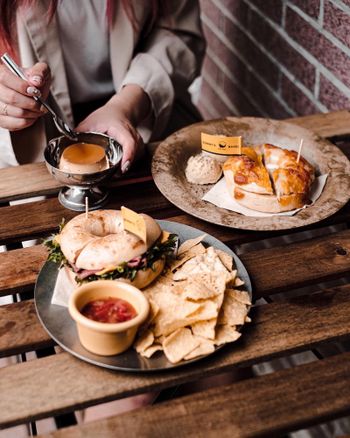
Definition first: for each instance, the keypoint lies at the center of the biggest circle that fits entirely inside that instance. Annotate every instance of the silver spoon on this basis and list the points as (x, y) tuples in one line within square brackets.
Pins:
[(61, 125)]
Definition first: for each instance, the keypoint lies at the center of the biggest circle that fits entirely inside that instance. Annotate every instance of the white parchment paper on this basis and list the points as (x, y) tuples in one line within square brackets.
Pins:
[(219, 196)]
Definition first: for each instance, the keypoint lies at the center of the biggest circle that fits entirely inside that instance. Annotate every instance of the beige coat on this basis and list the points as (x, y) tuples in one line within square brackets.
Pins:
[(164, 64)]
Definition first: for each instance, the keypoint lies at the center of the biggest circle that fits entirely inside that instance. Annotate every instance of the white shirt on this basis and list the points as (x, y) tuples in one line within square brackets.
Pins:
[(83, 31)]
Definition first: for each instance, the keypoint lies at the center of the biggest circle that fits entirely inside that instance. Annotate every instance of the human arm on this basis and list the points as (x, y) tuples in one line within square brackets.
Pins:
[(166, 61)]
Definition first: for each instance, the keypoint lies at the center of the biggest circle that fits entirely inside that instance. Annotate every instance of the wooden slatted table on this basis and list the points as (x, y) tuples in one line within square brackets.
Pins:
[(268, 405)]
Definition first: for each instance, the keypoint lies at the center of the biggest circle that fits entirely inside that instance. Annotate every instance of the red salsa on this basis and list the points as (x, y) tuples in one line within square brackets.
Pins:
[(110, 310)]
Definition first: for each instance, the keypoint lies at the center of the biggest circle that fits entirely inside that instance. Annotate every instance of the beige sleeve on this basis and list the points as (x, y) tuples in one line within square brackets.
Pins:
[(169, 59)]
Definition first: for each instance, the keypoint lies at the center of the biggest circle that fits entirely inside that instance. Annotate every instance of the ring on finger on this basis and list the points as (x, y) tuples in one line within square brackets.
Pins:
[(3, 110)]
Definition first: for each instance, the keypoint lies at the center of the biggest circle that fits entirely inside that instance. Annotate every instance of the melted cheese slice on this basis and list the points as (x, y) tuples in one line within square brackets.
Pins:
[(248, 172)]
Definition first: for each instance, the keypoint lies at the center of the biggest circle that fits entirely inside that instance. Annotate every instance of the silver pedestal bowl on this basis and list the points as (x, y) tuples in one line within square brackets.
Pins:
[(79, 186)]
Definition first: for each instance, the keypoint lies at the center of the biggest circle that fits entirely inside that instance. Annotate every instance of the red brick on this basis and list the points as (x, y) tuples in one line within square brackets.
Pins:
[(282, 51), (331, 96), (337, 22), (310, 7), (237, 8), (317, 44), (252, 86), (296, 99), (220, 50), (217, 107), (214, 14), (249, 51), (270, 8), (230, 89), (265, 99)]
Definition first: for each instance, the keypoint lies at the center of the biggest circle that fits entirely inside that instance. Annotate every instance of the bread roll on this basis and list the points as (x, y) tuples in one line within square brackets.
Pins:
[(269, 179)]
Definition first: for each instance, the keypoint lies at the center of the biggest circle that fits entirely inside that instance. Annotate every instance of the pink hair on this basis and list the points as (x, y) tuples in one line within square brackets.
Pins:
[(8, 9)]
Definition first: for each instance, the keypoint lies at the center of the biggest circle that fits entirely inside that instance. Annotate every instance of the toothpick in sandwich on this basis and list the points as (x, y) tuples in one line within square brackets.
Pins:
[(300, 148)]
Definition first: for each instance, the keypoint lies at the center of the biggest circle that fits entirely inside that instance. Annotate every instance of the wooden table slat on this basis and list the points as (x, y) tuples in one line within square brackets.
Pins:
[(42, 217), (20, 329), (39, 182), (61, 383), (299, 264), (269, 405), (332, 124)]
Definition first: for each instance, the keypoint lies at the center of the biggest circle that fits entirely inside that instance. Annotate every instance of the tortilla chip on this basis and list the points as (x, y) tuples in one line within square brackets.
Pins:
[(225, 258), (144, 341), (205, 347), (193, 252), (226, 333), (238, 282), (240, 295), (175, 312), (194, 288), (188, 244), (232, 311), (209, 262), (179, 344), (205, 329), (151, 350), (196, 307)]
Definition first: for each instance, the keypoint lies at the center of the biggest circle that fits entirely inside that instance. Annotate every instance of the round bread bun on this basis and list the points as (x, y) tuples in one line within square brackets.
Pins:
[(100, 240), (269, 203)]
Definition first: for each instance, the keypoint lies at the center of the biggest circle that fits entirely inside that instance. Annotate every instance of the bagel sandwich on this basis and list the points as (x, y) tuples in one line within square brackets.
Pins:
[(98, 248), (269, 179)]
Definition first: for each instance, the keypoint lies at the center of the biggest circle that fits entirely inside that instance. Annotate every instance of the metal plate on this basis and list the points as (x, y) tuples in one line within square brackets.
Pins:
[(170, 159), (60, 326)]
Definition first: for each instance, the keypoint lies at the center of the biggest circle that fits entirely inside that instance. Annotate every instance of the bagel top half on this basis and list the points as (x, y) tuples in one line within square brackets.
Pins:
[(100, 240)]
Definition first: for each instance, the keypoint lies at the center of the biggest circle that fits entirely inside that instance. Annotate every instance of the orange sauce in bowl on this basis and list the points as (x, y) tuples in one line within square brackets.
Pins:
[(83, 158)]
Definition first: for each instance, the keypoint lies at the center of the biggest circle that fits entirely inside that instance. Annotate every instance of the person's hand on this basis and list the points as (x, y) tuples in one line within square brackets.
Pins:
[(118, 119), (18, 109), (112, 120)]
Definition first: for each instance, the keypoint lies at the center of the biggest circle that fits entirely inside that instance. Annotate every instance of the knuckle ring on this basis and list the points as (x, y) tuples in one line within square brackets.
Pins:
[(4, 109)]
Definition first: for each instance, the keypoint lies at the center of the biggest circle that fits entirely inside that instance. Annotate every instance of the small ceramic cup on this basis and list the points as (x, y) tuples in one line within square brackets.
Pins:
[(107, 339)]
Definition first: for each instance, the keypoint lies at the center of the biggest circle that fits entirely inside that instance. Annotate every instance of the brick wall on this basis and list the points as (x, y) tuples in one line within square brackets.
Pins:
[(275, 58)]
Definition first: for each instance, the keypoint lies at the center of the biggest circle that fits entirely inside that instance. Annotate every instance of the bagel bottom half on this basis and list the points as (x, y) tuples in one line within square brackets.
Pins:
[(144, 277), (269, 203)]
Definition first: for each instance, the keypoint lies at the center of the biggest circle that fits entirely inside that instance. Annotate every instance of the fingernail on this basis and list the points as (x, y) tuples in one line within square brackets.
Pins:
[(36, 79), (43, 109), (34, 91), (126, 166)]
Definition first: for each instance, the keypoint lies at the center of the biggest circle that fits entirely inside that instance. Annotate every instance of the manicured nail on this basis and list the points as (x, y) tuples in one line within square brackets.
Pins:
[(36, 79), (34, 91), (126, 166)]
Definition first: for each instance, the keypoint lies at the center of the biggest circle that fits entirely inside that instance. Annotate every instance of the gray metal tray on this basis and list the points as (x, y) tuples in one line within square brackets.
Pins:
[(60, 326)]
